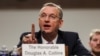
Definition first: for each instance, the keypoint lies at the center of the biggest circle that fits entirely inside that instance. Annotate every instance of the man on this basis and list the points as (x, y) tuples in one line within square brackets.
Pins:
[(50, 20), (95, 42)]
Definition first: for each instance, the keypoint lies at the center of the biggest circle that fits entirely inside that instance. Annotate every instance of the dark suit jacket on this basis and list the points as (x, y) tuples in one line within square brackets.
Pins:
[(71, 39)]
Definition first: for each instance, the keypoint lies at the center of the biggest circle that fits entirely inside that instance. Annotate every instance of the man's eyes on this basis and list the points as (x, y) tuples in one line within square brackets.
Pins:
[(50, 16), (95, 40), (42, 15), (53, 16)]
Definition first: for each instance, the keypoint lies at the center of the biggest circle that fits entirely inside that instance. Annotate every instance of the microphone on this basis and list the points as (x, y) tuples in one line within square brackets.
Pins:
[(43, 32)]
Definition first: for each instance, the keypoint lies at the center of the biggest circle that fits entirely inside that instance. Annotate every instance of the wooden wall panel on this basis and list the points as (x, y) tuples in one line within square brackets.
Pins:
[(34, 4)]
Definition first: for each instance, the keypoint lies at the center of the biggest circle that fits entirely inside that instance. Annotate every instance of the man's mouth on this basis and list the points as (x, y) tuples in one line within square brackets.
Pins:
[(46, 26)]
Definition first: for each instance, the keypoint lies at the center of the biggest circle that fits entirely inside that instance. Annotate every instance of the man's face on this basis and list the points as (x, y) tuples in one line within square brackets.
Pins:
[(49, 20), (95, 43)]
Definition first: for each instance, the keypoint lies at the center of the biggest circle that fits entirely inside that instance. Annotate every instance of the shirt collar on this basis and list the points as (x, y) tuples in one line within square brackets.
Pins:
[(45, 41)]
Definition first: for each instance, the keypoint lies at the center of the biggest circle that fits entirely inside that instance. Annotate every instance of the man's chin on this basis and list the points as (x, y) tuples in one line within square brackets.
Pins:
[(47, 31)]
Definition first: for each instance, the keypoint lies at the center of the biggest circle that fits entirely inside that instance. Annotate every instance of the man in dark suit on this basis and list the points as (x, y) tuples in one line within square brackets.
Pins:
[(50, 20)]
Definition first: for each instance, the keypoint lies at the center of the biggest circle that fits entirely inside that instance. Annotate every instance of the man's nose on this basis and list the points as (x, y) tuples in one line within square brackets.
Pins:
[(47, 19)]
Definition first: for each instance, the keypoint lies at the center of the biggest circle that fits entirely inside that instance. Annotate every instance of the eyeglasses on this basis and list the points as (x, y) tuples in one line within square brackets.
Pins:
[(51, 16)]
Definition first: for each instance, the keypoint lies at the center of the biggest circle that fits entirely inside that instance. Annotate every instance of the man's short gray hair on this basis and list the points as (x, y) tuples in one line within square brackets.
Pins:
[(55, 5)]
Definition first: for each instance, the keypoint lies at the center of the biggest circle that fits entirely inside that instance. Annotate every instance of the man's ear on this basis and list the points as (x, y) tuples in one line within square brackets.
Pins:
[(60, 23), (89, 43)]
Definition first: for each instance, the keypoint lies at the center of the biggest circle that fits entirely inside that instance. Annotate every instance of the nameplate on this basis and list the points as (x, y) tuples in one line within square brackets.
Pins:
[(43, 50)]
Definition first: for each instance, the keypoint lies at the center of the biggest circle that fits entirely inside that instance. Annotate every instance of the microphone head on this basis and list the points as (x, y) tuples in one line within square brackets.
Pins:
[(43, 32)]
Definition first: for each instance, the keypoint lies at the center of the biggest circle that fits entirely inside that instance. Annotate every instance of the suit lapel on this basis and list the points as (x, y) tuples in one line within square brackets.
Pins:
[(60, 39), (38, 36)]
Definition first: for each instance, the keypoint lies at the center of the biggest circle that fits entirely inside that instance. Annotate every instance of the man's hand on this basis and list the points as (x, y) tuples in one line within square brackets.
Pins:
[(30, 38)]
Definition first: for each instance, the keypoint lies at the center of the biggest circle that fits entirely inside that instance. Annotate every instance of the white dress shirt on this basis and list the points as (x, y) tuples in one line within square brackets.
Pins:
[(53, 41)]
